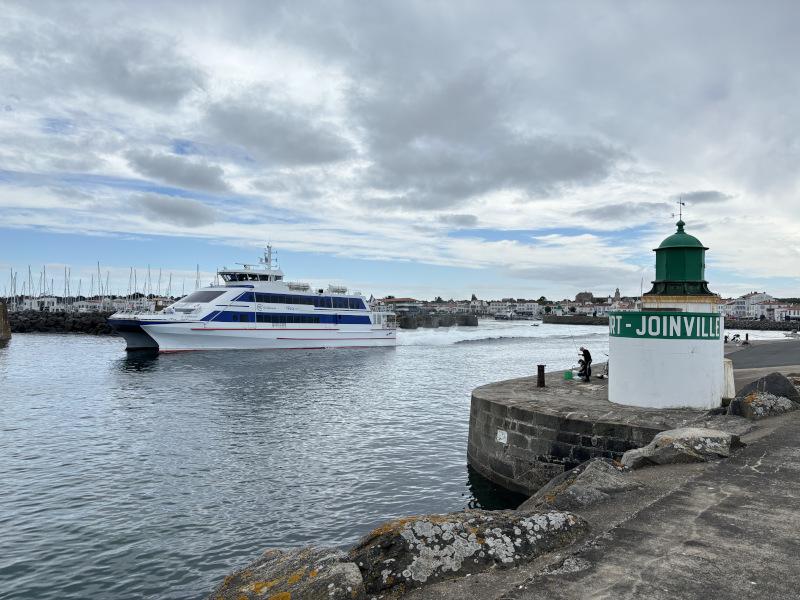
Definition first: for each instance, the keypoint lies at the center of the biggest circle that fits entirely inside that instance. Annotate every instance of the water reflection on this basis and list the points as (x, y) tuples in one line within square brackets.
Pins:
[(489, 495), (138, 360)]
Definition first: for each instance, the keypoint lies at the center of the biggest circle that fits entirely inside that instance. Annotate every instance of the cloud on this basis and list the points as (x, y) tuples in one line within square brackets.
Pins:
[(178, 170), (459, 220), (625, 211), (373, 130), (138, 66), (277, 136), (702, 197), (183, 212), (438, 145)]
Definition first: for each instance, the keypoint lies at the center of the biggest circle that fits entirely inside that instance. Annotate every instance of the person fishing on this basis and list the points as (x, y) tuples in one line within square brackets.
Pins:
[(587, 364)]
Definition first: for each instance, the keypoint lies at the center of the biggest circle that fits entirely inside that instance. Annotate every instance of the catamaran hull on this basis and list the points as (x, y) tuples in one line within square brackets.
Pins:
[(136, 338), (196, 336)]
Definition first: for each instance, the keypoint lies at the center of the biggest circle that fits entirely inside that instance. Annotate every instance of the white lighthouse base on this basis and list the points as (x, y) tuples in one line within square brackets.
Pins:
[(666, 373)]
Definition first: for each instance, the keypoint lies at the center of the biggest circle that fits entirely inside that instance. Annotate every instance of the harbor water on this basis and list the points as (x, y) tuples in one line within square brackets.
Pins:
[(141, 476)]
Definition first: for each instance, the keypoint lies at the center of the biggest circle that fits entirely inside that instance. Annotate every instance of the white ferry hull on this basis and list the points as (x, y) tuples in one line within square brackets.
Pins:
[(195, 336)]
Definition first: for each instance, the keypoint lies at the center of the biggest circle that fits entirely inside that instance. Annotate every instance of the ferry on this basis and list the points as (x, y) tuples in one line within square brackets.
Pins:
[(255, 308)]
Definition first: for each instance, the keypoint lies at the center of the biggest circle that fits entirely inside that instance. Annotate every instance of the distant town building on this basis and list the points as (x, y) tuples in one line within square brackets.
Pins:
[(408, 306)]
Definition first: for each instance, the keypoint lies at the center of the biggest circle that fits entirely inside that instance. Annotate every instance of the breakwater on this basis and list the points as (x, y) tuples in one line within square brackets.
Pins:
[(729, 323), (5, 329), (31, 321), (574, 320), (433, 321)]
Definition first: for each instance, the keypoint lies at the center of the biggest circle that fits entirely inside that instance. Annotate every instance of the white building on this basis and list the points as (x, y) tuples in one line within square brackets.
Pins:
[(787, 312), (747, 306)]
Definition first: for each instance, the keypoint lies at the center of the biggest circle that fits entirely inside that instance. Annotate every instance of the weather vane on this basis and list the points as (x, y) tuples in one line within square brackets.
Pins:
[(681, 204)]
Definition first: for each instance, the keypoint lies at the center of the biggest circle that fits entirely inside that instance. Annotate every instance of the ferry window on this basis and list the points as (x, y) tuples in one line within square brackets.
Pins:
[(202, 296), (340, 303), (278, 277), (244, 318), (355, 303)]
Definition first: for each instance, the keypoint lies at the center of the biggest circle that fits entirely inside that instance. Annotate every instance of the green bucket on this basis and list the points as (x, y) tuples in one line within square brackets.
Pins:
[(568, 375)]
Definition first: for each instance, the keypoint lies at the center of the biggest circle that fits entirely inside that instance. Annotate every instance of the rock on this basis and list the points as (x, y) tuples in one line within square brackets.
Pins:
[(776, 384), (307, 573), (594, 481), (759, 405), (684, 445), (411, 552)]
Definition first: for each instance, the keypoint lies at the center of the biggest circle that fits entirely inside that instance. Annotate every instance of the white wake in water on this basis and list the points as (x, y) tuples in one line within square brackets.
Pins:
[(489, 330)]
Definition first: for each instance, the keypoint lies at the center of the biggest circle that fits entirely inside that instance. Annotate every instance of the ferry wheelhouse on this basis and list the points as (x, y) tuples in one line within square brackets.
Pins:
[(255, 308)]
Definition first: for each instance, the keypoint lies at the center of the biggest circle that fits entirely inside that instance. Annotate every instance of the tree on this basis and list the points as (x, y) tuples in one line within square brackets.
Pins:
[(572, 309), (438, 299), (547, 309), (542, 300)]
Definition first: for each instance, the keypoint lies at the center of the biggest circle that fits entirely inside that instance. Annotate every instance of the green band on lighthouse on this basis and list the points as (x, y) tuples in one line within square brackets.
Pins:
[(665, 325)]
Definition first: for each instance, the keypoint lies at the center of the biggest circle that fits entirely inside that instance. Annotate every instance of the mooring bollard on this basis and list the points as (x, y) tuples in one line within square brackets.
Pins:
[(540, 375)]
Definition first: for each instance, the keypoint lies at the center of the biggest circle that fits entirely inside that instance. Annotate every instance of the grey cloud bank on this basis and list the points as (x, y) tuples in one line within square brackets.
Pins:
[(175, 211), (178, 170)]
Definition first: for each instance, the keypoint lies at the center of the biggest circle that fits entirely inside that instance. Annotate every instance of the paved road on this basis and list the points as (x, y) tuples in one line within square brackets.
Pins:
[(731, 533), (767, 355)]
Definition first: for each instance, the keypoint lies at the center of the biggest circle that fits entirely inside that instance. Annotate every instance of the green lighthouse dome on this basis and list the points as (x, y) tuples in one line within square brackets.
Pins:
[(680, 266), (681, 239)]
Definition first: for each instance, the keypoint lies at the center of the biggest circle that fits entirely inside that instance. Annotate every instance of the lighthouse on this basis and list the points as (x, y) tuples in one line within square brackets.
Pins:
[(670, 353)]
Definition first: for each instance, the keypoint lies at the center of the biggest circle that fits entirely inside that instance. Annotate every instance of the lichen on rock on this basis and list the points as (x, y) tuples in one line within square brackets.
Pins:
[(304, 573), (684, 445), (776, 384), (759, 405), (413, 552)]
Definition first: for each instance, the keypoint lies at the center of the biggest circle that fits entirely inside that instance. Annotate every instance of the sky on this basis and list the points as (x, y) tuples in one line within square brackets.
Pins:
[(409, 148)]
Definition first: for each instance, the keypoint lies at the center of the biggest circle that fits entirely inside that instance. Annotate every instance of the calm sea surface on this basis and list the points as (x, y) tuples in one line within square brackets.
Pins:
[(152, 477)]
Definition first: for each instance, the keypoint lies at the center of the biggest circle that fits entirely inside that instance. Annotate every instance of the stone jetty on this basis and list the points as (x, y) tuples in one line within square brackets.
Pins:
[(30, 321), (5, 328), (433, 320)]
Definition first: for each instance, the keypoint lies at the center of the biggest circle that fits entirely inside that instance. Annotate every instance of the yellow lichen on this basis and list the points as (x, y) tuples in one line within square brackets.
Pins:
[(296, 576), (281, 596), (313, 573), (259, 587)]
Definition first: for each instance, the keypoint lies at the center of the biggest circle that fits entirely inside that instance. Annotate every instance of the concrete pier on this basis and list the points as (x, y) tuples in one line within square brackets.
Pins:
[(5, 327), (521, 435)]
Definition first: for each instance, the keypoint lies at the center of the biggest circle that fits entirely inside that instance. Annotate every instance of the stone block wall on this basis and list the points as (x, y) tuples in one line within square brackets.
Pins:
[(521, 449)]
